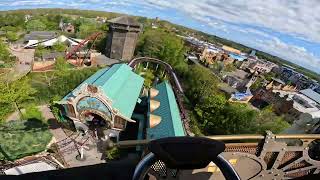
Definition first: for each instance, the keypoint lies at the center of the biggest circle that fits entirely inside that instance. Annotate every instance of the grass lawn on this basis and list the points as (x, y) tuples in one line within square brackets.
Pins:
[(23, 138)]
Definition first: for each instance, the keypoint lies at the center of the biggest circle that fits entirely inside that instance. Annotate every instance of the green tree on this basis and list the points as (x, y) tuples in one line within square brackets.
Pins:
[(40, 51), (11, 36), (148, 78), (35, 25), (4, 52), (61, 65), (165, 46), (16, 92), (230, 67), (86, 30), (32, 113), (268, 120), (59, 47), (200, 83)]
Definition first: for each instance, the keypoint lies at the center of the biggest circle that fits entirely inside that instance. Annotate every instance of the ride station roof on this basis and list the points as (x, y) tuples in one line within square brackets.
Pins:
[(120, 84), (171, 124)]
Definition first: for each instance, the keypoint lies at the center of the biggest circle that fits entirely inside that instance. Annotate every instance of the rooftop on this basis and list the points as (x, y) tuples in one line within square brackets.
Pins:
[(171, 124), (120, 84), (40, 35), (278, 80), (311, 94), (125, 20)]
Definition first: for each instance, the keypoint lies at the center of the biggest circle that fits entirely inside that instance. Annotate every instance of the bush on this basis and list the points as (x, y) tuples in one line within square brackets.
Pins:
[(23, 138), (113, 154), (32, 112)]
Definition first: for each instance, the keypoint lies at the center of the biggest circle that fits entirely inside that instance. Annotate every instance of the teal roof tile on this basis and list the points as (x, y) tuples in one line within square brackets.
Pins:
[(120, 84), (171, 124)]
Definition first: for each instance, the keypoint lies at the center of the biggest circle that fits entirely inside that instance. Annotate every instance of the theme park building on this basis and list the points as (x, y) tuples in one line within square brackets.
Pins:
[(106, 101)]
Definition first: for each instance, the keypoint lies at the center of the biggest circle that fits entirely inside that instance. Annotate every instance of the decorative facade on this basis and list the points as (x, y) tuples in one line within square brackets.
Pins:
[(106, 100)]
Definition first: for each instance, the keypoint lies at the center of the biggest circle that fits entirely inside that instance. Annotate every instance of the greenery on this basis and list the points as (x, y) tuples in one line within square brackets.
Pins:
[(32, 112), (14, 94), (35, 25), (40, 50), (59, 47), (4, 53), (23, 138), (165, 46), (12, 36), (113, 154), (57, 84), (210, 112)]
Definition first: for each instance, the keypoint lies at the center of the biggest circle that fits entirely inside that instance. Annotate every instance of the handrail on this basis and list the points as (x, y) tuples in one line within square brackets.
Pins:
[(130, 143)]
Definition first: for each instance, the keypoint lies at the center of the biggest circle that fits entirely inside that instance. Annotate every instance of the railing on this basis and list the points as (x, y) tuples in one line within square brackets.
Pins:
[(270, 156)]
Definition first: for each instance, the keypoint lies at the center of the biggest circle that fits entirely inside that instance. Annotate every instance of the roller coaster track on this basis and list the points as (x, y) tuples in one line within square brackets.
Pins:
[(174, 82), (92, 37)]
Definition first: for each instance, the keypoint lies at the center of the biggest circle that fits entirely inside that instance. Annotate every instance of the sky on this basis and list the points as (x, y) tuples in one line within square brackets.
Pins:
[(289, 29)]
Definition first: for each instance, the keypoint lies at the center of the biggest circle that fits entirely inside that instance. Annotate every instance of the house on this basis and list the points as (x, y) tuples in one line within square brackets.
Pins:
[(241, 97), (66, 27), (236, 79)]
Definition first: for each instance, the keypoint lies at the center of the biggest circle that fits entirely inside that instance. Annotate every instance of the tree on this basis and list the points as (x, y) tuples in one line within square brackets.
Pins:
[(61, 65), (59, 47), (148, 78), (40, 51), (230, 67), (35, 25), (4, 52), (165, 46), (86, 30), (268, 120), (200, 83), (16, 92), (11, 36)]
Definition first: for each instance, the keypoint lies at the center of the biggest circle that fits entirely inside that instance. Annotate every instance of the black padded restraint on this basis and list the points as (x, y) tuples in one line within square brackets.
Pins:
[(186, 152)]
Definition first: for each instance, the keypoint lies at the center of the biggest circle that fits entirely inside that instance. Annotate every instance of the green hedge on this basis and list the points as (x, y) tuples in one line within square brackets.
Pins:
[(22, 138)]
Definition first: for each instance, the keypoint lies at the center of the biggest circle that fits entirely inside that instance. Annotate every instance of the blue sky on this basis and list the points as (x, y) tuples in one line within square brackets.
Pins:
[(287, 28)]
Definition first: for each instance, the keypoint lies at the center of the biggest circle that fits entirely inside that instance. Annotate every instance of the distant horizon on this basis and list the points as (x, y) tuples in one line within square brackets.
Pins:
[(284, 29)]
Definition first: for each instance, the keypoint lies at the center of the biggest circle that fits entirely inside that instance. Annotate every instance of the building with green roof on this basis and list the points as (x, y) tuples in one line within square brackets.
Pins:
[(106, 99), (164, 117)]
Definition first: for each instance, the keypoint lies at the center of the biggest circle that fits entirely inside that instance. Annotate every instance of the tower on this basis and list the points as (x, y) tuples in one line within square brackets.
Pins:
[(122, 37)]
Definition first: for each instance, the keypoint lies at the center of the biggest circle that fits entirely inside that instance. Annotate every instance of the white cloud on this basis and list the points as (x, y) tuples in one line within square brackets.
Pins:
[(298, 18), (296, 54), (253, 23)]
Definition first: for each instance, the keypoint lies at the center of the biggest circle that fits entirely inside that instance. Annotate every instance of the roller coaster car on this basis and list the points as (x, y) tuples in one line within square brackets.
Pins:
[(180, 155)]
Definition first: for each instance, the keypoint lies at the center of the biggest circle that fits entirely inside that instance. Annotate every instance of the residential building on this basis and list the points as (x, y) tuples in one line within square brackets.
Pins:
[(122, 37), (66, 27), (236, 79), (262, 66), (241, 97)]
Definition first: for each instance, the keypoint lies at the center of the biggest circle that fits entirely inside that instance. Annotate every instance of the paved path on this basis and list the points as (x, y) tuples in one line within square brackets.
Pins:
[(24, 64)]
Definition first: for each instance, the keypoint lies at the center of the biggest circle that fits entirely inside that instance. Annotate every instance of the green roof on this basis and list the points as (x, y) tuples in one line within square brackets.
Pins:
[(120, 84), (171, 124)]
